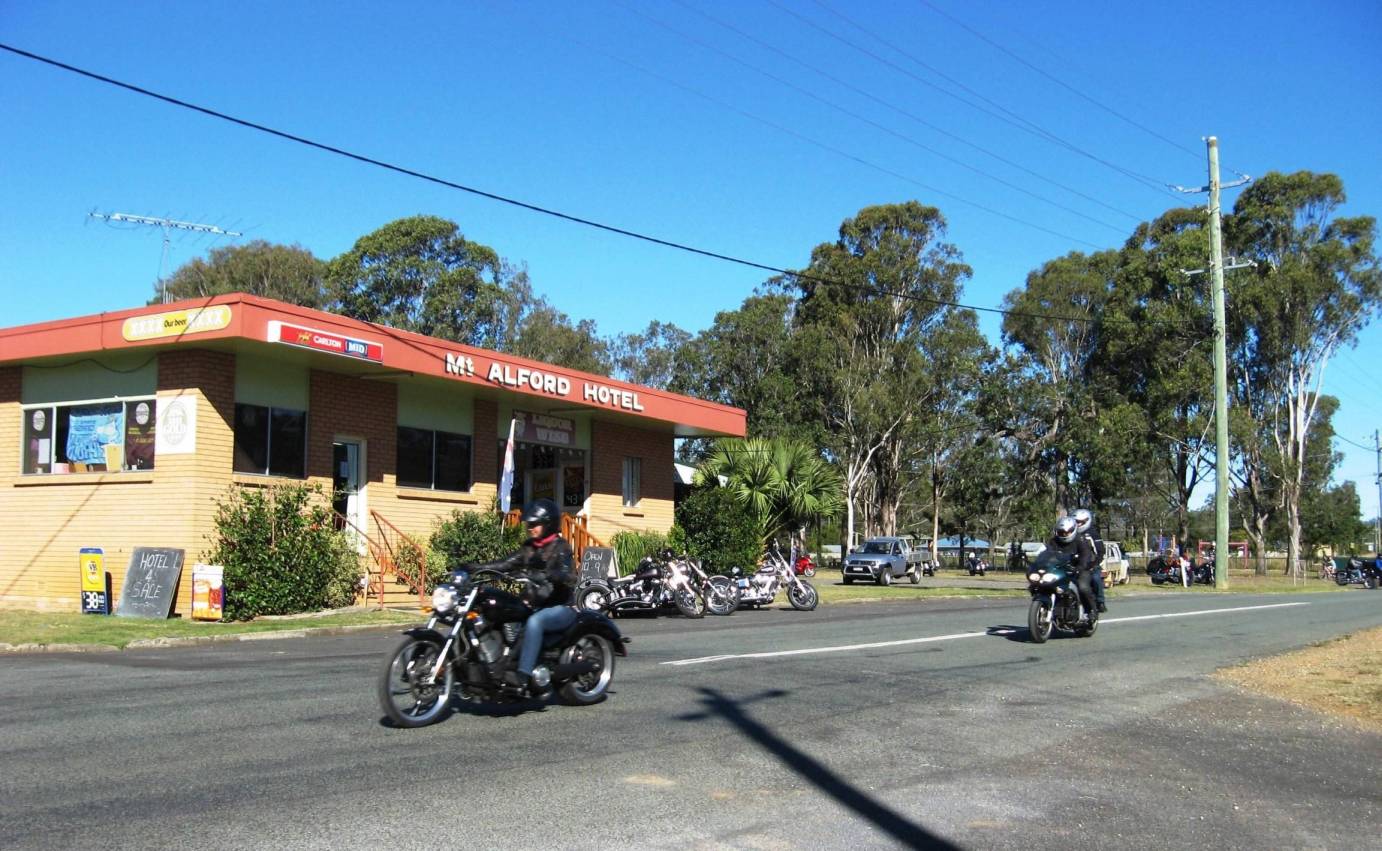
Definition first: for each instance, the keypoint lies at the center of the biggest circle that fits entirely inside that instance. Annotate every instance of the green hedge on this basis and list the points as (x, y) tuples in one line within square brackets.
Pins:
[(713, 527), (631, 547), (282, 553), (467, 537)]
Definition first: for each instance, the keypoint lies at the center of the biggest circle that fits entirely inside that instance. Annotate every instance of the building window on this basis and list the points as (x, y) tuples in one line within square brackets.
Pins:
[(103, 436), (633, 474), (436, 460), (270, 441)]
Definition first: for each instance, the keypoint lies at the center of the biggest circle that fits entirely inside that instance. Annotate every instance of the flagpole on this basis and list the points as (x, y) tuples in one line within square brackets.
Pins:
[(506, 479)]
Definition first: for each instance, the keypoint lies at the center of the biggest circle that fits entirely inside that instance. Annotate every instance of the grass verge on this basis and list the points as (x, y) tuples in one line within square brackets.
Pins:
[(1342, 677), (833, 591), (25, 627)]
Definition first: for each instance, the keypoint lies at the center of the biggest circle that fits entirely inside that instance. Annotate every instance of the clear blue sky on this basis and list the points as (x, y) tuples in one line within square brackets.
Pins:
[(651, 117)]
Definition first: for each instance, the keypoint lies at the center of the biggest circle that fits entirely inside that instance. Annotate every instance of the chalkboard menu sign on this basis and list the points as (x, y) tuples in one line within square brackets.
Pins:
[(597, 563), (151, 583)]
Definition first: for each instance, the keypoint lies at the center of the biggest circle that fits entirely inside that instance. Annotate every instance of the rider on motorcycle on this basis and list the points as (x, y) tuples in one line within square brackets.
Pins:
[(1084, 527), (1066, 541), (546, 559)]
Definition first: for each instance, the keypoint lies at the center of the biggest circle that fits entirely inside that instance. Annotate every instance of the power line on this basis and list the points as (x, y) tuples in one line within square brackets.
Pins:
[(1015, 120), (1352, 443), (869, 95), (979, 35), (800, 276)]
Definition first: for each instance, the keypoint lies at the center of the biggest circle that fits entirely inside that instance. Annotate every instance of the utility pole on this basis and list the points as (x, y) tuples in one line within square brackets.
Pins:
[(1377, 532), (167, 225), (1216, 273)]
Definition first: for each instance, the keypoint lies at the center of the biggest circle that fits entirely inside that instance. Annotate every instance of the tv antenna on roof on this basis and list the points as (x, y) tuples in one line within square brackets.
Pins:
[(168, 225)]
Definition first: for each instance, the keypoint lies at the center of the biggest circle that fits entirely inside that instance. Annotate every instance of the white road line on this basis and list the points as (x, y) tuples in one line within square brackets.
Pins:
[(701, 660)]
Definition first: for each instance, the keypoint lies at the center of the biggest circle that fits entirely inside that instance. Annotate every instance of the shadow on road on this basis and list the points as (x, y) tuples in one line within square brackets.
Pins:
[(908, 833)]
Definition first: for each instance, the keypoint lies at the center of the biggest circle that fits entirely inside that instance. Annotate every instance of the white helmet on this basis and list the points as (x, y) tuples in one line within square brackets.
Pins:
[(1083, 520), (1065, 530)]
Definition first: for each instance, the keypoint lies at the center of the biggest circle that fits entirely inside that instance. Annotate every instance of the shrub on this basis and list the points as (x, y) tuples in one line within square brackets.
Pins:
[(282, 553), (717, 530), (467, 537), (631, 547)]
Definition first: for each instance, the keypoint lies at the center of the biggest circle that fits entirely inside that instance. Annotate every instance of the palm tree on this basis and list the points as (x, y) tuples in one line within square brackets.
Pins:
[(783, 483)]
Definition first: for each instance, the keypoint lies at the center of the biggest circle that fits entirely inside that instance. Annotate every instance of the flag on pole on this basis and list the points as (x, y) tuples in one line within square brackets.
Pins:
[(506, 478)]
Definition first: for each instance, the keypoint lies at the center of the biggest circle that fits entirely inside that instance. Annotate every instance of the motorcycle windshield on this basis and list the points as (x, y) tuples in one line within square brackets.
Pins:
[(1049, 560)]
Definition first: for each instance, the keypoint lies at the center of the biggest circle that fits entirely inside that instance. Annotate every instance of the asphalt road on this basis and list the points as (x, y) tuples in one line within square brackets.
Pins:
[(952, 731)]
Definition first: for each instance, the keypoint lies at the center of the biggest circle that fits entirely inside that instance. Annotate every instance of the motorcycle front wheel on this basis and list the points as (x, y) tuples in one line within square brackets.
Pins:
[(721, 595), (589, 687), (405, 693), (689, 603), (802, 595), (593, 598), (1039, 622)]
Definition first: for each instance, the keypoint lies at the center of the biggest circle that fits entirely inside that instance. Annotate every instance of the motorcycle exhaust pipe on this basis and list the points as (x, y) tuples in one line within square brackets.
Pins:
[(571, 670)]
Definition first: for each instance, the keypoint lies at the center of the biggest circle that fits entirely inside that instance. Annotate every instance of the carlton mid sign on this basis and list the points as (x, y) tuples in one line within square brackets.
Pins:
[(546, 383), (324, 341)]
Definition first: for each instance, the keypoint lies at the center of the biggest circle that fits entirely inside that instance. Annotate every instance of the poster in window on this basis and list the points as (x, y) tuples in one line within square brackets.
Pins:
[(573, 486), (544, 484), (139, 436), (90, 429)]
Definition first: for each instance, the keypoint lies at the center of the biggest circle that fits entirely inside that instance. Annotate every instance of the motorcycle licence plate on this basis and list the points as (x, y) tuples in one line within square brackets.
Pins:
[(743, 583)]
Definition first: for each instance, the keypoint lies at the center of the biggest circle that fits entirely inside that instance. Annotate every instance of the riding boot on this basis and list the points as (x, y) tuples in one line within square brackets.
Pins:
[(1102, 607), (516, 681)]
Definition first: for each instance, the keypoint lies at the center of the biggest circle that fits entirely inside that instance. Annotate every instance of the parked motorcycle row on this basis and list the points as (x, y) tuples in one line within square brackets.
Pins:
[(1173, 570), (670, 580)]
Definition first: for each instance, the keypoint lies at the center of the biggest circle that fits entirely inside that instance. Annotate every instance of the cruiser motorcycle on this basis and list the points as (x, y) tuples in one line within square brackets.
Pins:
[(473, 638), (1361, 571), (657, 582), (1055, 600), (761, 588)]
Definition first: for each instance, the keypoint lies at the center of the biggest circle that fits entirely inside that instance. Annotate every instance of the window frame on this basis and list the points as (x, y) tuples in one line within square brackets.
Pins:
[(436, 433), (632, 481), (268, 471), (51, 410)]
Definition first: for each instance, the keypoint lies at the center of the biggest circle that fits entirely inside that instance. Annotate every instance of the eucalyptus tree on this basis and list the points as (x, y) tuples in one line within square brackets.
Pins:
[(285, 272), (1048, 410), (869, 302), (1315, 286), (1156, 349), (421, 274)]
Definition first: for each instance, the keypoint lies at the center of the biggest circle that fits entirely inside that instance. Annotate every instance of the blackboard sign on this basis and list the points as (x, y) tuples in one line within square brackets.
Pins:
[(597, 563), (151, 583)]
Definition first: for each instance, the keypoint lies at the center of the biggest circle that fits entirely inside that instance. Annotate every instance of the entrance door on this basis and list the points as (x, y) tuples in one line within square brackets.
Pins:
[(347, 484)]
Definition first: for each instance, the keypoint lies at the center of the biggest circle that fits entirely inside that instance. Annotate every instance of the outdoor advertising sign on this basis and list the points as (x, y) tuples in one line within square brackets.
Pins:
[(95, 581)]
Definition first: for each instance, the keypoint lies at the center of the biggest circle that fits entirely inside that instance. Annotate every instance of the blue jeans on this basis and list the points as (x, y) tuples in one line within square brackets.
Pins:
[(1098, 585), (554, 619)]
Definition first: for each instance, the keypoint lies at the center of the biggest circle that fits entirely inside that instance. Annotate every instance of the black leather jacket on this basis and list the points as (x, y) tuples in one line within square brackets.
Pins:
[(1081, 551), (549, 568)]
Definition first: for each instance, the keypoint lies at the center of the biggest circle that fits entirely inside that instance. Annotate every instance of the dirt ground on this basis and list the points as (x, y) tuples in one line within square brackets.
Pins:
[(1341, 677)]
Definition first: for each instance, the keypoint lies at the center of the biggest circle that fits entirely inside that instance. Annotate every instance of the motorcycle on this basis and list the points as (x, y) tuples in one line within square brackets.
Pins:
[(1170, 570), (1056, 601), (655, 583), (1203, 573), (805, 566), (721, 593), (761, 588), (473, 638), (977, 566), (1359, 572)]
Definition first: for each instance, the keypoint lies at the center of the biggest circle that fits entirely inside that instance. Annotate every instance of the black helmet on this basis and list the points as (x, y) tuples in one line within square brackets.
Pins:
[(544, 513)]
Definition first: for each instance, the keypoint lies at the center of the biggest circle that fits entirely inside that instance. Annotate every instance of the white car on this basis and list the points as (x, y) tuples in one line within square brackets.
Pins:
[(1115, 564)]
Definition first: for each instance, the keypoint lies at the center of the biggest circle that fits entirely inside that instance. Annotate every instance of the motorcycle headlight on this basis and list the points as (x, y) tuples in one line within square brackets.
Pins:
[(444, 599), (1033, 577), (1048, 577)]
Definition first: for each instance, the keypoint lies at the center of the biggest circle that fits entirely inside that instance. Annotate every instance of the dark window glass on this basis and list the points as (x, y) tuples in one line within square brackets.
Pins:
[(453, 462), (414, 465), (288, 443), (251, 439)]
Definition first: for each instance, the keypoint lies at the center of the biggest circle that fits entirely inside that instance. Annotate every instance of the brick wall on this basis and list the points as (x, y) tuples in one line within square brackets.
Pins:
[(611, 443)]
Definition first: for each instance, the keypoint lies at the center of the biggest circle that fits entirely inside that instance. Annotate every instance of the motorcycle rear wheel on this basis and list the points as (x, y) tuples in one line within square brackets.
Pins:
[(406, 700), (1088, 629), (1039, 621), (1341, 578), (803, 596), (689, 603), (592, 687), (593, 598), (915, 576)]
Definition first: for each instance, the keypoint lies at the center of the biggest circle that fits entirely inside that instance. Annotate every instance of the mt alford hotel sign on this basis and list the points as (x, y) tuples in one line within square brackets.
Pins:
[(558, 386)]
